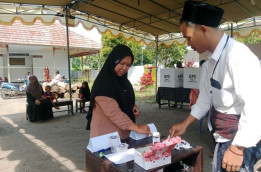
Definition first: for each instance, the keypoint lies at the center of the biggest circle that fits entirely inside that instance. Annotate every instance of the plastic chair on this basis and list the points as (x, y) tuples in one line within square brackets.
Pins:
[(200, 123)]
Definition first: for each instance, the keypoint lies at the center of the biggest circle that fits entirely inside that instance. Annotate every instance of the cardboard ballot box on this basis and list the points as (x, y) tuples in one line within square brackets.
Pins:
[(172, 78), (156, 155), (191, 78)]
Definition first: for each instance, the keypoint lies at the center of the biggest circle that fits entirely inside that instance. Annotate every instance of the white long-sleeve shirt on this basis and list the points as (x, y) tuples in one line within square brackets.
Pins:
[(238, 72)]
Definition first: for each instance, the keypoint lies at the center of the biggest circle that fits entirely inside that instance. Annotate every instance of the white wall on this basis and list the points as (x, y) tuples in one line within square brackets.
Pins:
[(60, 62), (5, 66), (93, 74), (135, 73), (2, 67), (191, 54), (20, 71), (16, 71)]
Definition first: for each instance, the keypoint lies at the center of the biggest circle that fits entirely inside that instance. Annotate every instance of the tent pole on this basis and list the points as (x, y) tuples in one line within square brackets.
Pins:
[(231, 33), (8, 63), (68, 51), (54, 59), (156, 64)]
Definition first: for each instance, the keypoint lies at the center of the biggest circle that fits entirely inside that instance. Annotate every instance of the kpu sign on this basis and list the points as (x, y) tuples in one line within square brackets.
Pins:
[(191, 78), (172, 78)]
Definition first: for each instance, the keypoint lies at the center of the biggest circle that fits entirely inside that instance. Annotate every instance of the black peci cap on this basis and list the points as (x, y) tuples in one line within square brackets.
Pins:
[(201, 13)]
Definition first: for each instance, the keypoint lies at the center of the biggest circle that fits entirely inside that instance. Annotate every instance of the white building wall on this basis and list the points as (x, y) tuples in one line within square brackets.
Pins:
[(59, 62), (2, 67), (135, 73), (16, 71), (20, 71), (192, 55), (5, 66)]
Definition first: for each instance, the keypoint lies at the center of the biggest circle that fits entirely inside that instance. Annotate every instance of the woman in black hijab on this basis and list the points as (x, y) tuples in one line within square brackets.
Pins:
[(112, 102), (37, 108), (84, 94)]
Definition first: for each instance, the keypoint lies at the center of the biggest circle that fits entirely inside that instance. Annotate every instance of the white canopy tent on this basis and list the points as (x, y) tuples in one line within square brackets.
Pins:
[(151, 22)]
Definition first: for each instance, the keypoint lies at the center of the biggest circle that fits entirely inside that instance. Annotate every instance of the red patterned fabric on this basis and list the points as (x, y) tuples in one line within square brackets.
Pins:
[(225, 125), (161, 149)]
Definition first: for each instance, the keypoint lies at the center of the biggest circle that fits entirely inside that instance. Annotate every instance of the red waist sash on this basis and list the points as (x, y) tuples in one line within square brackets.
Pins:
[(225, 125)]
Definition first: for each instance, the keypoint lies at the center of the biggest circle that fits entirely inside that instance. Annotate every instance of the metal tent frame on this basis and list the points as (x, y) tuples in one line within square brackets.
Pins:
[(152, 20)]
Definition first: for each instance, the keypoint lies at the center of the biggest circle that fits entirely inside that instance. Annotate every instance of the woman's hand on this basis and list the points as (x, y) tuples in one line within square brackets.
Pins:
[(37, 102), (142, 129), (136, 111)]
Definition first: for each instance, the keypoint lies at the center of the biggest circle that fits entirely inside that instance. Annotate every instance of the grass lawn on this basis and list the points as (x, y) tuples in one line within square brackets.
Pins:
[(148, 96)]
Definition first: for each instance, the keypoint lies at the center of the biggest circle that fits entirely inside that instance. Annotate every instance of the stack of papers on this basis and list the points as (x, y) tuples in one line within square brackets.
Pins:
[(137, 136), (121, 157), (101, 143)]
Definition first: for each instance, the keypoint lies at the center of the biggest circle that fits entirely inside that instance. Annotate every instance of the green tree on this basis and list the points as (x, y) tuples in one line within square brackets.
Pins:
[(93, 61), (136, 50), (76, 63), (167, 56), (254, 38), (170, 56), (109, 42), (149, 55)]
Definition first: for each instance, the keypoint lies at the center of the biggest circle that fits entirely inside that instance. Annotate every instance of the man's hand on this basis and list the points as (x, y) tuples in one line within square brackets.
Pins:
[(179, 129), (233, 158)]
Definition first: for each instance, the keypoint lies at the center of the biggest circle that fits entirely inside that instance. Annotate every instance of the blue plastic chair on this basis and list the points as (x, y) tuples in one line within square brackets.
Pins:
[(200, 123)]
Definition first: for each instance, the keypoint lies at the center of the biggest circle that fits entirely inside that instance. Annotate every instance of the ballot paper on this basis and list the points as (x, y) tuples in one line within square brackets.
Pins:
[(101, 143), (137, 136), (121, 157)]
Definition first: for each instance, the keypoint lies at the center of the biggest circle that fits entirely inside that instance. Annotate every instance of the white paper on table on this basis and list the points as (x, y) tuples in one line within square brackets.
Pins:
[(137, 136), (101, 142), (121, 157)]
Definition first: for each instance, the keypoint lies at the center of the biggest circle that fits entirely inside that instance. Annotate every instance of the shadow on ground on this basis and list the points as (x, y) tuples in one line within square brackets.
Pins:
[(59, 144)]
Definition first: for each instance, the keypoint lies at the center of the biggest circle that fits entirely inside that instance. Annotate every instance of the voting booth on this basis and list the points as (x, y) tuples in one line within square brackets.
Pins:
[(172, 78), (191, 78)]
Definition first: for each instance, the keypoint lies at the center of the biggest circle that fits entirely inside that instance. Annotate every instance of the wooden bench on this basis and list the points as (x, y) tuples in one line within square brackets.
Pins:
[(68, 103), (79, 105)]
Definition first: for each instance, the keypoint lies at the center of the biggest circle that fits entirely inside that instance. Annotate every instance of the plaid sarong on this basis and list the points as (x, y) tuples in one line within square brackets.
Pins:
[(225, 125)]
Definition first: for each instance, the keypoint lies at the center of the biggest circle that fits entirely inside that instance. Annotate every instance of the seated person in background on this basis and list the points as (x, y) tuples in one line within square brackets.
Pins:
[(112, 102), (27, 78), (84, 94), (37, 108), (1, 80), (6, 79), (57, 78), (48, 95)]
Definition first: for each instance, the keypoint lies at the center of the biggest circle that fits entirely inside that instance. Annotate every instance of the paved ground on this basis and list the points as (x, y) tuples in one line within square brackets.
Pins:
[(59, 144)]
